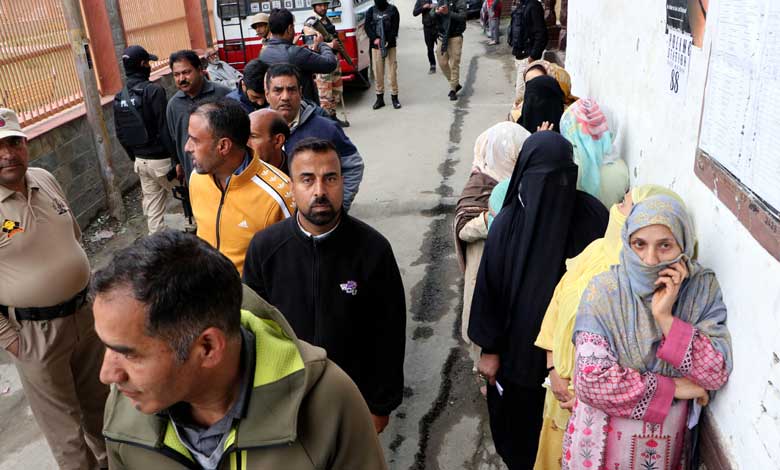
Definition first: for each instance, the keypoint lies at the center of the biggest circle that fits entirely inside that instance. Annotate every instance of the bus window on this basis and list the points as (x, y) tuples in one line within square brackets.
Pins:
[(228, 9)]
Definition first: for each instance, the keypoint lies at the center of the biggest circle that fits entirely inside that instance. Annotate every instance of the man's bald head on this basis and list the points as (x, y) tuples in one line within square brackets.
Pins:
[(268, 133)]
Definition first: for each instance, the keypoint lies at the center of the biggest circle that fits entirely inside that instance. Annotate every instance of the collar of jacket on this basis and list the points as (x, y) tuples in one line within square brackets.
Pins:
[(251, 170), (307, 112), (276, 41), (345, 222), (285, 371)]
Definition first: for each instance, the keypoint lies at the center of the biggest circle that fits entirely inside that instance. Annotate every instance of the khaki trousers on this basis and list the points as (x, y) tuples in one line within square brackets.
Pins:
[(379, 65), (449, 62), (521, 66), (156, 190), (59, 366)]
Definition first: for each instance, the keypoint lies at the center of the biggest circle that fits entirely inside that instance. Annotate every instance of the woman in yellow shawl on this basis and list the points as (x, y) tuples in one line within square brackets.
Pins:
[(558, 324)]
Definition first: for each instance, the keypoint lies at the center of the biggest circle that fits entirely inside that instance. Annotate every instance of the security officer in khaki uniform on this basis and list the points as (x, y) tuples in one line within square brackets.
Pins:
[(259, 23), (46, 321), (329, 85)]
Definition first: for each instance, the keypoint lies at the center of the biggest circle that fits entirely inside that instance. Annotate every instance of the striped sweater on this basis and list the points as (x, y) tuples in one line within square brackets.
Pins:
[(257, 197)]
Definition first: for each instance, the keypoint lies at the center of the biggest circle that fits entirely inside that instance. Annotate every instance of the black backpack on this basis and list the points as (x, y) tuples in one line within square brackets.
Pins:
[(128, 116)]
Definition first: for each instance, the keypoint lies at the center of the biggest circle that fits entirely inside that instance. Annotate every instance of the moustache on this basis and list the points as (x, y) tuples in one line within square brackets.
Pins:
[(183, 83), (321, 201)]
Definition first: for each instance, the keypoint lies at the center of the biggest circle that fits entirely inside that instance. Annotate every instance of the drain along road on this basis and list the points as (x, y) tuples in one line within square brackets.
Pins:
[(417, 161)]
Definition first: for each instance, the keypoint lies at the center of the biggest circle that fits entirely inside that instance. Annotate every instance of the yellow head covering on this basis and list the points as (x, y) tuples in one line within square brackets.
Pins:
[(558, 325)]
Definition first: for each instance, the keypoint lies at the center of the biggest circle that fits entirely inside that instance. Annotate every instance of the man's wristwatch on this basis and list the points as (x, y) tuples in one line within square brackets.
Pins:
[(549, 369)]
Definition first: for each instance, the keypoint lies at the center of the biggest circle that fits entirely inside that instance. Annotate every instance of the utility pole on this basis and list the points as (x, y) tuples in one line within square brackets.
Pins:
[(95, 118), (204, 8)]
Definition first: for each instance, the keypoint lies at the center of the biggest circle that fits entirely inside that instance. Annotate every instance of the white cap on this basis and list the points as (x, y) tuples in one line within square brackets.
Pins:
[(9, 124)]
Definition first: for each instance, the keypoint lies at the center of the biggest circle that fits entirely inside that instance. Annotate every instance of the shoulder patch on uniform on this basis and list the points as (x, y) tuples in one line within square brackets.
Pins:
[(59, 206), (12, 227)]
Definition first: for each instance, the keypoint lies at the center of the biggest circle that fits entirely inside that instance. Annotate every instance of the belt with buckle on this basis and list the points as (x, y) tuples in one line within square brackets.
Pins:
[(64, 309)]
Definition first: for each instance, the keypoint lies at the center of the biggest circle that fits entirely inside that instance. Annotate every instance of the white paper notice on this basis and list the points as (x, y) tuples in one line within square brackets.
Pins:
[(678, 59), (740, 125)]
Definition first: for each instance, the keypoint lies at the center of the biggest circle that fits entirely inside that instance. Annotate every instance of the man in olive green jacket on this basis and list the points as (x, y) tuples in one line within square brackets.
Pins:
[(203, 380)]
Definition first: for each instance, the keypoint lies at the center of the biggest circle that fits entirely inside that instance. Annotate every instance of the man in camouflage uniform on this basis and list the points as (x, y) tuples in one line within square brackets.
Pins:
[(329, 85)]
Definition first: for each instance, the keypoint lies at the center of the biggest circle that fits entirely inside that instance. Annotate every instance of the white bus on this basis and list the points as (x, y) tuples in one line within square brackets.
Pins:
[(238, 43)]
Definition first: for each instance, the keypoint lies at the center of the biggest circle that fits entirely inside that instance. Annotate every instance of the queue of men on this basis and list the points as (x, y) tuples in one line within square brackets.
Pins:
[(204, 372)]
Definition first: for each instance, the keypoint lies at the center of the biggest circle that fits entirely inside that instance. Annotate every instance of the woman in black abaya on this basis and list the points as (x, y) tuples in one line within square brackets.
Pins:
[(544, 221), (543, 101)]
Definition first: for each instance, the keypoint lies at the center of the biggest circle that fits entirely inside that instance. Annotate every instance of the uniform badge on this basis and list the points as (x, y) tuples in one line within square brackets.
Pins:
[(11, 227), (350, 287)]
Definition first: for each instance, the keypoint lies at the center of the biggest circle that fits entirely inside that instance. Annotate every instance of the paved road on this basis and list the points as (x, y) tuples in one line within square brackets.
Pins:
[(417, 160)]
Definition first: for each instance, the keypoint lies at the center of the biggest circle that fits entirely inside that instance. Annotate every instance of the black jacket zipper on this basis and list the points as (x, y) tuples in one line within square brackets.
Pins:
[(315, 291)]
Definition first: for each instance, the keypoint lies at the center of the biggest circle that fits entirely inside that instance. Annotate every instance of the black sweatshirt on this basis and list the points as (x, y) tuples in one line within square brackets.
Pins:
[(342, 292), (527, 31), (392, 21)]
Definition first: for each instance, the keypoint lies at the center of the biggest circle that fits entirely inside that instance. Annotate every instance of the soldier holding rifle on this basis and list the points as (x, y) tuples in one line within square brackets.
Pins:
[(382, 21), (329, 85)]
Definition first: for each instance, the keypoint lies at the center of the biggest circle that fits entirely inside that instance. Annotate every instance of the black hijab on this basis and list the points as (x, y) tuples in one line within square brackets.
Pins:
[(543, 101), (525, 253)]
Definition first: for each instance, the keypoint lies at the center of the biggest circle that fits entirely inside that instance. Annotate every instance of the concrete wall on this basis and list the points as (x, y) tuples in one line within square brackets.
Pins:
[(616, 54), (68, 151)]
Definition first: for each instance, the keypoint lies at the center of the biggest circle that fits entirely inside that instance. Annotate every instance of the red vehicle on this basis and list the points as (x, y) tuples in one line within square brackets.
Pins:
[(238, 43)]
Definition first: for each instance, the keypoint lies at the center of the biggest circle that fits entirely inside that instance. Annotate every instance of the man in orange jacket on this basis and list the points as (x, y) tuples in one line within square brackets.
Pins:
[(233, 194)]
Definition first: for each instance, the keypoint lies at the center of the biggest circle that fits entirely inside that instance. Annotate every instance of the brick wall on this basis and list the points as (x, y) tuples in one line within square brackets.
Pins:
[(68, 152)]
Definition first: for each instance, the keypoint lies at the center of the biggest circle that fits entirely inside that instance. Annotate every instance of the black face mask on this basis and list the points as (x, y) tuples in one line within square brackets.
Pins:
[(381, 4)]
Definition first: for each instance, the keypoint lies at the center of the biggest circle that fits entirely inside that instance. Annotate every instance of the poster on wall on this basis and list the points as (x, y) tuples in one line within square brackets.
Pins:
[(685, 24), (688, 17)]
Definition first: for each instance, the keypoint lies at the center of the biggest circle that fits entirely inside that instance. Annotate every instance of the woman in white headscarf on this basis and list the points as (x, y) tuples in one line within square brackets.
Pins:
[(495, 154)]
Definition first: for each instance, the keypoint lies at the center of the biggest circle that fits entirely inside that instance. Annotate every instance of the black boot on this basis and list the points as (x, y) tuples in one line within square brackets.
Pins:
[(380, 101), (338, 121), (396, 103)]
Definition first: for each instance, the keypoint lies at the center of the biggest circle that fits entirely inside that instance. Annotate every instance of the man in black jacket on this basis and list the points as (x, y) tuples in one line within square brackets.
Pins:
[(423, 7), (382, 22), (153, 157), (335, 279), (450, 17), (279, 49), (528, 38)]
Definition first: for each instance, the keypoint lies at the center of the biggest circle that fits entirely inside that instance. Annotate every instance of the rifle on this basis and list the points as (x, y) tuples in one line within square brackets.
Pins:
[(316, 24), (380, 25), (180, 193)]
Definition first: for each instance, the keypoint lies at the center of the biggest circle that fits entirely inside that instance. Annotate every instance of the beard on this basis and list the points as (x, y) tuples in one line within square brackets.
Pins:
[(324, 216)]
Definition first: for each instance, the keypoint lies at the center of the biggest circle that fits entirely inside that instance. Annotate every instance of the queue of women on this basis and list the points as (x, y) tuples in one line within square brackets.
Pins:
[(597, 333)]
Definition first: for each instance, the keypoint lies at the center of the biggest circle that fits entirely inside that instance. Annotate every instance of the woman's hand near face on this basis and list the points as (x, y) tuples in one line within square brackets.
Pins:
[(668, 284)]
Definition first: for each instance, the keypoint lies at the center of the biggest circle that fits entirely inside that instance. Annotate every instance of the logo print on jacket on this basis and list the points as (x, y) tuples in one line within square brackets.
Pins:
[(350, 287)]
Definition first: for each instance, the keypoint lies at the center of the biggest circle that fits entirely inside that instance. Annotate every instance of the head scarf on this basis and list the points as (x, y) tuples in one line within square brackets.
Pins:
[(543, 101), (495, 154), (587, 128), (496, 150), (617, 304), (560, 75), (544, 221)]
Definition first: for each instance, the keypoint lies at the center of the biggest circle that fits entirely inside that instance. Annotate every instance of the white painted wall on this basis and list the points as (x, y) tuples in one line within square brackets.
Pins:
[(616, 54)]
